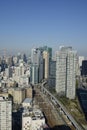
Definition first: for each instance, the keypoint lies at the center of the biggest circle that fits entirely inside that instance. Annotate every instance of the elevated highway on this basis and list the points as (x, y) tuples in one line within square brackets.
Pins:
[(61, 107)]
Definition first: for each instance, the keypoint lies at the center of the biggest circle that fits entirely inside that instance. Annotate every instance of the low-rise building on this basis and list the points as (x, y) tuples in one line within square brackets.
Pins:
[(27, 102), (19, 95), (28, 92), (32, 120)]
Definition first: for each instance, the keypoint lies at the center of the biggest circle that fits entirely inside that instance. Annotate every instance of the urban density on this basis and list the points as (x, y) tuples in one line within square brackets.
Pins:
[(43, 64), (31, 86)]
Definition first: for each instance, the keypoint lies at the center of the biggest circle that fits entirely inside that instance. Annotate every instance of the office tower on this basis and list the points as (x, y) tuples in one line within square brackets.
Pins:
[(19, 70), (5, 114), (78, 68), (34, 74), (84, 68), (9, 61), (18, 57), (24, 58), (0, 69), (66, 72), (46, 64), (71, 74), (15, 60), (36, 66), (35, 56), (8, 72), (0, 60), (3, 64), (52, 73), (47, 56), (41, 66), (81, 58), (49, 50), (60, 72)]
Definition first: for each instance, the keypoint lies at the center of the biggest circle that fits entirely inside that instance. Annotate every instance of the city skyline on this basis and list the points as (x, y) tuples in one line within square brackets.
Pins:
[(28, 24), (40, 84)]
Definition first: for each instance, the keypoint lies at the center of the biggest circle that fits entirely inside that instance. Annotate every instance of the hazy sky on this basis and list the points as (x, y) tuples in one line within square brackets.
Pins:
[(32, 23)]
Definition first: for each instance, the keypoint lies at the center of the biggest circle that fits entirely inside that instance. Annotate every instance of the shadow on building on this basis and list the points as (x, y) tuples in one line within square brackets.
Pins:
[(82, 96)]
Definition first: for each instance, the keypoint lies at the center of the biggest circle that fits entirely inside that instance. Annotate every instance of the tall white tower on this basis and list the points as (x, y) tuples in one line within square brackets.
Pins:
[(66, 72), (46, 64), (5, 114)]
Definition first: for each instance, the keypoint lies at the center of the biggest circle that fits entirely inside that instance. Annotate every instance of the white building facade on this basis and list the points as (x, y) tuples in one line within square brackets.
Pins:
[(66, 72), (46, 64), (5, 114), (33, 120), (81, 58)]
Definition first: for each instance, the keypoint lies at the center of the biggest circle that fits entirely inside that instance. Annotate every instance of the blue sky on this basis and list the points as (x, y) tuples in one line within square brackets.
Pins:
[(32, 23)]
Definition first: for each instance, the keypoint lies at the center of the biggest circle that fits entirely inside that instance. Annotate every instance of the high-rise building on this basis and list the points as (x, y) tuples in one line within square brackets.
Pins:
[(8, 72), (46, 64), (81, 58), (19, 70), (60, 72), (66, 72), (52, 73), (15, 60), (5, 114), (35, 56), (36, 66), (34, 74), (84, 68), (41, 67), (49, 50), (47, 56), (9, 60), (40, 58), (24, 58), (18, 56)]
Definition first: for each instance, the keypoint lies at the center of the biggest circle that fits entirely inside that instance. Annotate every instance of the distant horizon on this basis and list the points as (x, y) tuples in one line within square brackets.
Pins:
[(28, 24), (28, 51)]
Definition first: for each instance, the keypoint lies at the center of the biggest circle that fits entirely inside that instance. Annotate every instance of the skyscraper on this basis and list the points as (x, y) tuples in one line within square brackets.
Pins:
[(48, 49), (46, 64), (52, 73), (36, 66), (34, 74), (66, 72), (84, 68), (5, 114), (47, 57), (81, 58)]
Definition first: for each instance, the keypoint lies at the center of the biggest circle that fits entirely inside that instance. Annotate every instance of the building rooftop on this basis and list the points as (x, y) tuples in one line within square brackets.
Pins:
[(2, 98), (27, 100), (34, 114)]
